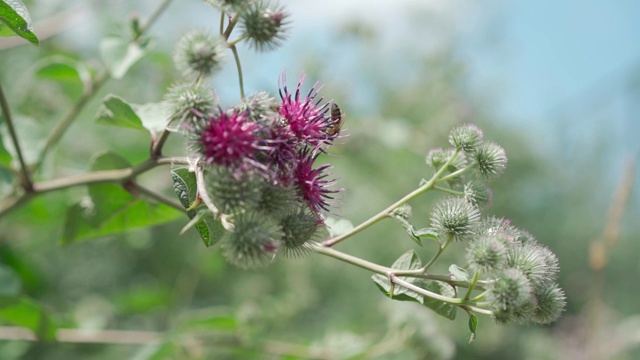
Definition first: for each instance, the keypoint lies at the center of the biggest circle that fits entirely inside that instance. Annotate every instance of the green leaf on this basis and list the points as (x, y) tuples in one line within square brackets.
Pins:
[(440, 307), (473, 326), (459, 273), (154, 116), (15, 20), (110, 209), (184, 184), (10, 283), (31, 136), (427, 233), (27, 313), (117, 112), (338, 227), (407, 261), (73, 76), (119, 54)]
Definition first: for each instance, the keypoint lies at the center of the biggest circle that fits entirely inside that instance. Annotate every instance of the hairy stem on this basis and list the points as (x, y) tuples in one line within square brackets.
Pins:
[(25, 180)]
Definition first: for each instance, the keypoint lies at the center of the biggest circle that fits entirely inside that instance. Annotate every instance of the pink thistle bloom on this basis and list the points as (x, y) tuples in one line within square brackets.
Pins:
[(229, 139), (313, 183), (306, 118)]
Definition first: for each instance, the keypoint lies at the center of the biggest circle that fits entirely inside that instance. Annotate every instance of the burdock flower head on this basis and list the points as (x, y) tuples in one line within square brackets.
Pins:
[(313, 183), (304, 115), (228, 139)]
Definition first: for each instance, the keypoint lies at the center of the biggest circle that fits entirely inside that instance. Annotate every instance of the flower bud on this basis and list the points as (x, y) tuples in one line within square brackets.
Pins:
[(455, 217), (477, 193), (199, 54), (185, 101), (276, 201), (231, 191), (551, 303), (253, 243), (486, 254), (529, 259), (491, 159), (466, 137), (298, 227), (510, 290), (264, 25)]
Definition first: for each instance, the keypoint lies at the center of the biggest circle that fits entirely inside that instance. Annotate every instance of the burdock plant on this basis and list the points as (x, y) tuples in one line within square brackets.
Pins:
[(251, 181)]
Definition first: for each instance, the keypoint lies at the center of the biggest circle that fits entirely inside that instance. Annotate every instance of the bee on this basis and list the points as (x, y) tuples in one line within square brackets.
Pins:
[(336, 121)]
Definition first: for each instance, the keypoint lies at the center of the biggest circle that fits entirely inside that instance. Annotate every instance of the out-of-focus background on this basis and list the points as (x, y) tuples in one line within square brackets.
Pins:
[(556, 83)]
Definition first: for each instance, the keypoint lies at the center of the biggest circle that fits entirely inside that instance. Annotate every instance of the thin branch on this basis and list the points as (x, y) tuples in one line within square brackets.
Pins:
[(386, 212), (155, 196), (6, 114), (105, 176), (156, 149)]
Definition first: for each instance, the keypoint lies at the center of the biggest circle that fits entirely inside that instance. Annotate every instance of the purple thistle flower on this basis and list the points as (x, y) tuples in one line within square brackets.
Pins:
[(313, 183), (229, 139), (306, 118)]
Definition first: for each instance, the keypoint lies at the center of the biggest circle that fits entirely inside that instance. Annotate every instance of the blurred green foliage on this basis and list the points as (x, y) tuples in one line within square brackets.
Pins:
[(313, 307)]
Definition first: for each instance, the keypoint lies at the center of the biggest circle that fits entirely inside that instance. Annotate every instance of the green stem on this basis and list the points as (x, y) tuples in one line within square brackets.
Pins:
[(222, 14), (232, 24), (479, 296), (25, 180), (237, 59), (437, 255), (421, 291), (457, 173), (237, 40), (472, 285), (350, 259), (386, 212), (477, 309), (448, 191)]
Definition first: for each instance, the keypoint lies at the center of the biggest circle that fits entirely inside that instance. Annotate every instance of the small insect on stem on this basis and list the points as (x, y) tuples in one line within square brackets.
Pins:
[(336, 121)]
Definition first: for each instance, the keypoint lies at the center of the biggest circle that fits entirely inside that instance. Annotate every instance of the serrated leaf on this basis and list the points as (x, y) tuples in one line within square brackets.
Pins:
[(15, 20), (473, 326), (28, 313), (119, 54), (459, 273), (117, 112), (440, 307), (184, 184), (153, 116), (110, 209), (73, 76)]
